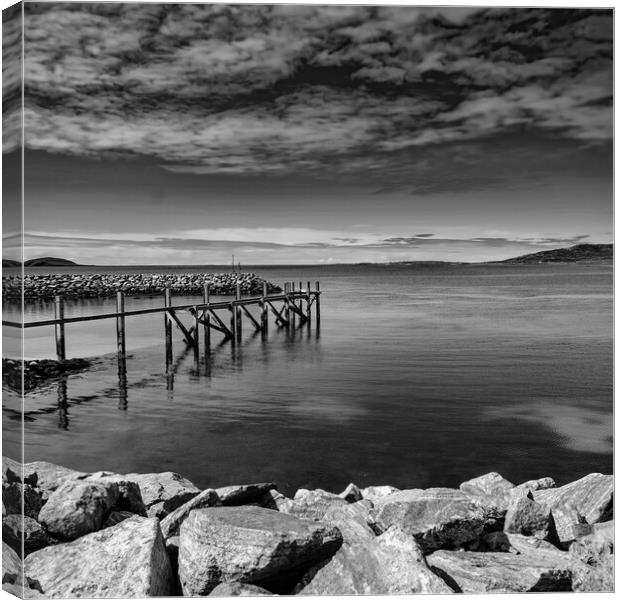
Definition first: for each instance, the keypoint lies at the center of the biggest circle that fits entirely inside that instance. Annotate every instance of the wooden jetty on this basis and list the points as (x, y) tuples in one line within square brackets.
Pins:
[(224, 317)]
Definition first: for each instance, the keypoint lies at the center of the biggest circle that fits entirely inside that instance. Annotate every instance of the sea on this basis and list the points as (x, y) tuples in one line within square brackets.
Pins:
[(419, 376)]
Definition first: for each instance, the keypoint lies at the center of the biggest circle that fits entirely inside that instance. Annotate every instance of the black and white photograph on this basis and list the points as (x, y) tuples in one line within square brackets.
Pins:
[(307, 299)]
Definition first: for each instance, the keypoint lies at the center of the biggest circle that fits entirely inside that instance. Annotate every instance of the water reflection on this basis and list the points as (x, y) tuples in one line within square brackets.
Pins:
[(63, 407)]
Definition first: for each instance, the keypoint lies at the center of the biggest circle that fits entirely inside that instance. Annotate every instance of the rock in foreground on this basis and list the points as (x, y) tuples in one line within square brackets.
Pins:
[(248, 544), (125, 561)]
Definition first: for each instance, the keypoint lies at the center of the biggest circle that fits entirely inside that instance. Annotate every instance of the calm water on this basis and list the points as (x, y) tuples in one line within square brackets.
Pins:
[(420, 376)]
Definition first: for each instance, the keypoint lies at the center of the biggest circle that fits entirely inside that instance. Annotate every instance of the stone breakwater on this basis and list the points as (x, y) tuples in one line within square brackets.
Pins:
[(93, 285), (106, 534)]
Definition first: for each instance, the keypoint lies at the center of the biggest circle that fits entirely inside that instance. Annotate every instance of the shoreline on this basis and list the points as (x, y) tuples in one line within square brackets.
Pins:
[(98, 285), (159, 534)]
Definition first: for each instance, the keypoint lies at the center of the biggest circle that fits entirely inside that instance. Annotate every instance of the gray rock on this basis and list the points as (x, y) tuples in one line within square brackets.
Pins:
[(312, 504), (14, 493), (234, 588), (125, 561), (500, 541), (487, 485), (248, 544), (437, 517), (483, 572), (391, 563), (544, 483), (352, 493), (592, 560), (116, 517), (21, 591), (170, 524), (236, 495), (355, 521), (569, 525), (77, 508), (374, 492), (275, 501), (129, 495), (12, 472), (16, 528), (527, 517), (12, 569), (163, 492), (591, 496), (50, 476)]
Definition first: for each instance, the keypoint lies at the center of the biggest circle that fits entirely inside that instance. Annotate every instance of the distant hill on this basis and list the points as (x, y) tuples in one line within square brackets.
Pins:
[(8, 262), (49, 261), (581, 252)]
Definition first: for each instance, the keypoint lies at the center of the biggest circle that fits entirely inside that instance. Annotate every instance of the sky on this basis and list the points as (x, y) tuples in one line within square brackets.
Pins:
[(291, 134)]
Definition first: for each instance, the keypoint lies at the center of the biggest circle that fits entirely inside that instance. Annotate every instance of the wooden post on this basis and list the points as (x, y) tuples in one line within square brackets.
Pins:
[(233, 321), (168, 326), (196, 339), (59, 313), (120, 323), (238, 311), (308, 305), (287, 310), (293, 314), (317, 304), (265, 311), (207, 317)]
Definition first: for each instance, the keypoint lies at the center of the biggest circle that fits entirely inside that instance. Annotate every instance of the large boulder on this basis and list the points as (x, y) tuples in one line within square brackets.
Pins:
[(484, 572), (275, 501), (526, 517), (77, 508), (19, 498), (12, 567), (544, 483), (311, 504), (352, 493), (170, 524), (355, 521), (236, 495), (249, 544), (591, 497), (234, 588), (487, 485), (125, 561), (129, 495), (50, 476), (592, 560), (16, 528), (437, 517), (163, 492), (391, 563), (375, 492), (12, 472)]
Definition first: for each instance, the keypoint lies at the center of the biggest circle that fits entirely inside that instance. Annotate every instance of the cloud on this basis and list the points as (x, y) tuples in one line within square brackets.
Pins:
[(279, 89)]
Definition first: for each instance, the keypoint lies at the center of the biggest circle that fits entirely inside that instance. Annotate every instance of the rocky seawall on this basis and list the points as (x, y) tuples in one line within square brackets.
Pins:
[(94, 285), (136, 535)]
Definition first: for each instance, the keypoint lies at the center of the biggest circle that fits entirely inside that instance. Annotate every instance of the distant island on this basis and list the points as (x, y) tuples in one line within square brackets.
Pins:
[(45, 261), (578, 253)]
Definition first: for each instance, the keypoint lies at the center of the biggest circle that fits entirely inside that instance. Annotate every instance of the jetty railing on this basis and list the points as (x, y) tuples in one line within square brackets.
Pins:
[(286, 307)]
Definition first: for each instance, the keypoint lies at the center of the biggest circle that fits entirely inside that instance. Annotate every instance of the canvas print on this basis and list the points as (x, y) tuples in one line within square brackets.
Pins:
[(306, 299)]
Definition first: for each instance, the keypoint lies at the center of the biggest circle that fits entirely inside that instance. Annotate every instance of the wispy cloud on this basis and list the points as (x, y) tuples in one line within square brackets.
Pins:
[(278, 89)]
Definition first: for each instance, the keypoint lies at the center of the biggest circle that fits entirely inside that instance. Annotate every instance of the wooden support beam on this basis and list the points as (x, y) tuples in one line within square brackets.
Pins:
[(233, 323), (120, 323), (187, 333), (278, 315), (308, 304), (264, 311), (239, 325), (196, 339), (59, 314), (317, 303), (222, 326), (168, 325), (207, 321), (250, 316)]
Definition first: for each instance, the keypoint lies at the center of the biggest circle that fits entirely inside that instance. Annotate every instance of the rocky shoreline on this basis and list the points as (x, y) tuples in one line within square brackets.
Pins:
[(135, 535), (95, 285)]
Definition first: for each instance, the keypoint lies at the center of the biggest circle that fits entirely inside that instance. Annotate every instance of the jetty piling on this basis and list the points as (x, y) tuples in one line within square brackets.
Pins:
[(286, 307), (59, 314)]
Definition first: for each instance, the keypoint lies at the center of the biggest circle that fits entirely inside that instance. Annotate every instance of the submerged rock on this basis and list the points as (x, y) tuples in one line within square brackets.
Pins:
[(484, 572), (163, 492), (77, 508), (248, 544), (125, 561), (437, 517)]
